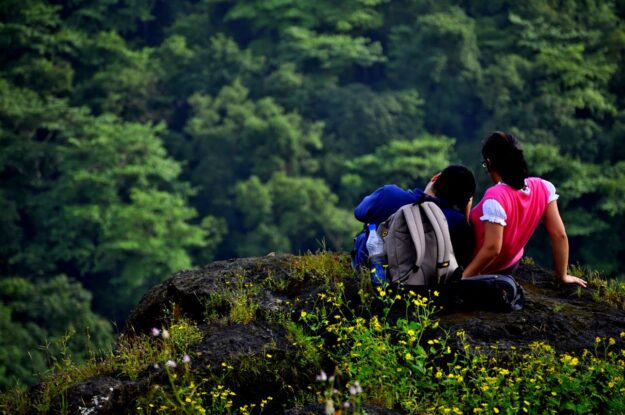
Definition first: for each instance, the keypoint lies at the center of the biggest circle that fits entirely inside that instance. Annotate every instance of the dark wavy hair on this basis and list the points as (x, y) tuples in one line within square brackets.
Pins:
[(502, 154), (456, 185)]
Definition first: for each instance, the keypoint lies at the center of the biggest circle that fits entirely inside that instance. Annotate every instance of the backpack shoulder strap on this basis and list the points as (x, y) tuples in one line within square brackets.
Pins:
[(446, 260), (412, 215)]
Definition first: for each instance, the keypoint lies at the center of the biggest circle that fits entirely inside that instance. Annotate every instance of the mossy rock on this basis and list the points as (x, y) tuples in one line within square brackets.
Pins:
[(243, 308)]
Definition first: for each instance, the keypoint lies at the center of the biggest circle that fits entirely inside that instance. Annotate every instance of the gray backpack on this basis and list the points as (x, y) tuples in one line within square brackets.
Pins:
[(418, 246)]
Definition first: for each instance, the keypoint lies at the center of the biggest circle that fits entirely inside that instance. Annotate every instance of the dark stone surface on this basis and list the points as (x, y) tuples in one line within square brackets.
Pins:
[(225, 344), (564, 316), (99, 395), (190, 288)]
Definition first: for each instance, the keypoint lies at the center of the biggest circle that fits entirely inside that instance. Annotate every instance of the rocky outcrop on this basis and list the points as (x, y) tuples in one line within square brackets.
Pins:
[(566, 317), (189, 289)]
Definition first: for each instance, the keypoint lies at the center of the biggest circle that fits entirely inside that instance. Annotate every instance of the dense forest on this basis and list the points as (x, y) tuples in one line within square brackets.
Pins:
[(141, 137)]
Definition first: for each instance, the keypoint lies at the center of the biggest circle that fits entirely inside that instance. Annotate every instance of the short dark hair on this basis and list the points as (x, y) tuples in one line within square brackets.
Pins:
[(456, 185), (503, 154)]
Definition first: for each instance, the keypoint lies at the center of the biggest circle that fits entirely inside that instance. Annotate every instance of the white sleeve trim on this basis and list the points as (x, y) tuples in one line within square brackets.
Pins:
[(552, 191), (493, 212)]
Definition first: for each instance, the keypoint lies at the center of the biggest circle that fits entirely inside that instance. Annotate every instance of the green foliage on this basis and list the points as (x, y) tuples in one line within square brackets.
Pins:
[(442, 53), (330, 52), (366, 348), (113, 214), (358, 119), (235, 304), (189, 64), (124, 81), (42, 321), (399, 363), (298, 209), (348, 16), (404, 163), (271, 119), (578, 183), (233, 137), (169, 343)]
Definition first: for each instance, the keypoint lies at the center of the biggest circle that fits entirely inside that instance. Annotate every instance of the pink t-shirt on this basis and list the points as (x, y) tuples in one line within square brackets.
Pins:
[(522, 209)]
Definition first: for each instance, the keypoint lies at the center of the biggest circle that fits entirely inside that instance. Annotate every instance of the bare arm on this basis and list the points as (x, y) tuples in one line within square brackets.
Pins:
[(493, 239), (559, 245), (467, 209)]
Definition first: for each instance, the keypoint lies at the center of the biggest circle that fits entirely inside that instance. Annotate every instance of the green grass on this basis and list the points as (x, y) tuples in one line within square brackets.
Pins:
[(132, 356), (235, 303), (54, 382), (324, 268), (603, 290)]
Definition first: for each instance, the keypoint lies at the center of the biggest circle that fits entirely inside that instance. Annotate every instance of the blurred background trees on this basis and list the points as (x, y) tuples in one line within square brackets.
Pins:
[(138, 138)]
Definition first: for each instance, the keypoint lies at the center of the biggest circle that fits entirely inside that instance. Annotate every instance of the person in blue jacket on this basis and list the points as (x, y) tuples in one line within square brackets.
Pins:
[(452, 190)]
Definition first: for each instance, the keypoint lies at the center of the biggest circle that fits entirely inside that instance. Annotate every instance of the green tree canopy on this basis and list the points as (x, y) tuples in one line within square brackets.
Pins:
[(408, 164)]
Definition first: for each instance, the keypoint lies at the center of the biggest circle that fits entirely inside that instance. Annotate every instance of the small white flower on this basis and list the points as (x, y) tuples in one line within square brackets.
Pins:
[(156, 366), (165, 334), (355, 389), (346, 404), (170, 363), (155, 331), (329, 410), (186, 358), (322, 377)]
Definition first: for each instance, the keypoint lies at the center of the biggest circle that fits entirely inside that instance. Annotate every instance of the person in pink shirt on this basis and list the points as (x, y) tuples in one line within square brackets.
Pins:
[(510, 212)]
